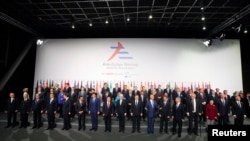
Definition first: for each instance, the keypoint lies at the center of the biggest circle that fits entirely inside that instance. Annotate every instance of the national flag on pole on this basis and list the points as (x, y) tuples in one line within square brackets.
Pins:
[(110, 85), (96, 87), (191, 87)]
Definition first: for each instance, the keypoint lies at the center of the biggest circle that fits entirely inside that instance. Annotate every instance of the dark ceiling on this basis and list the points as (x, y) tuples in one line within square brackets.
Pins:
[(170, 18)]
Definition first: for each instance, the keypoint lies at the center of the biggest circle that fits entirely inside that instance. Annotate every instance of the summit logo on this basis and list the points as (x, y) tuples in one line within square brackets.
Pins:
[(120, 52)]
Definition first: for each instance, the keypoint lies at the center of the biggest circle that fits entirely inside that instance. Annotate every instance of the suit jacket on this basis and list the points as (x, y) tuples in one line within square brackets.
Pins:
[(237, 110), (37, 106), (178, 113), (136, 110), (151, 109), (165, 110), (223, 109), (108, 110), (115, 92), (190, 107), (80, 107), (94, 107), (11, 107), (202, 98), (121, 108), (51, 106), (66, 107), (25, 106), (143, 100)]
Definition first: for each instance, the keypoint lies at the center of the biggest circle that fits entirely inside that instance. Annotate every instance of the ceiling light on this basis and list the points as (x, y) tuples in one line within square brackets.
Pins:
[(106, 22), (202, 8), (150, 17), (203, 18), (73, 26), (90, 24), (128, 19), (204, 28), (245, 31), (207, 43)]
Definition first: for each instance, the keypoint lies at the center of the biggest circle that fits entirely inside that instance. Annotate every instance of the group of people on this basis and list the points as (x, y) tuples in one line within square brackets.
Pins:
[(207, 105)]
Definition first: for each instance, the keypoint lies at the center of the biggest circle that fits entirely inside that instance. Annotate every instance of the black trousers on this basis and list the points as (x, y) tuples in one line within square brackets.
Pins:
[(24, 119), (107, 120), (164, 121), (239, 120), (136, 121), (51, 119), (66, 121), (193, 120), (37, 115), (121, 119), (223, 120), (81, 121), (11, 115), (179, 123)]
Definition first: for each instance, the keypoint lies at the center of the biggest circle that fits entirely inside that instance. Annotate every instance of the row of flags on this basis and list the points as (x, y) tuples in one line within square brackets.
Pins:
[(97, 85)]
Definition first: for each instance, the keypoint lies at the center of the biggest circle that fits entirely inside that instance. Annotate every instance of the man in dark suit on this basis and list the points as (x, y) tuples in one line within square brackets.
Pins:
[(81, 112), (238, 111), (136, 113), (66, 109), (50, 110), (143, 98), (223, 110), (107, 110), (73, 99), (121, 111), (37, 110), (94, 111), (194, 110), (24, 110), (202, 97), (11, 108), (115, 91), (164, 113), (129, 98), (151, 109), (178, 115)]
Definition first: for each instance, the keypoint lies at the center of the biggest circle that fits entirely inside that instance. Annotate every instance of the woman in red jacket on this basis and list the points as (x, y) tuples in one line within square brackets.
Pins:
[(211, 113)]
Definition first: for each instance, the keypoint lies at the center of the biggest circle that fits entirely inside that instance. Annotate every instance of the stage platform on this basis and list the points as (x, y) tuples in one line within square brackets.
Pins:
[(41, 134)]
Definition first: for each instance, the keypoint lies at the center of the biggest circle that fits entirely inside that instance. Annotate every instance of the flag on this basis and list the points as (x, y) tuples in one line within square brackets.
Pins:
[(191, 87), (96, 87), (110, 85), (77, 84), (203, 85), (182, 87), (62, 84)]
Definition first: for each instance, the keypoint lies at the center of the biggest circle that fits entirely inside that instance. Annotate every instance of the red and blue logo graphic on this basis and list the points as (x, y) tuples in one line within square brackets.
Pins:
[(120, 52)]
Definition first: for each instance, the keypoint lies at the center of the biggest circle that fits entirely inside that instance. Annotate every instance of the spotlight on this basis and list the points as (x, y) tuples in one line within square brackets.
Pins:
[(128, 19), (222, 36), (106, 22), (202, 8), (237, 29), (208, 43), (245, 31), (203, 18), (39, 42), (90, 24), (204, 28)]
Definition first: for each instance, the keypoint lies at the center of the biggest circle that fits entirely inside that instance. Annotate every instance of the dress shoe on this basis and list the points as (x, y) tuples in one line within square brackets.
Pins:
[(160, 132), (33, 127), (63, 128), (179, 135), (105, 130), (79, 128), (139, 131), (83, 128), (95, 129), (20, 126), (47, 128), (13, 126), (133, 131), (7, 126), (91, 129), (173, 133)]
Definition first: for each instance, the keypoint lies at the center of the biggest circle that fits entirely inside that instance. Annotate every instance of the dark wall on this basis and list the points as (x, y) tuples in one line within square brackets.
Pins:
[(12, 42)]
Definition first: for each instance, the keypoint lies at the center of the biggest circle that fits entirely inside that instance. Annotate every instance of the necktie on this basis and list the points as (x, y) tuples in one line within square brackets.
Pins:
[(136, 103), (108, 104), (120, 102)]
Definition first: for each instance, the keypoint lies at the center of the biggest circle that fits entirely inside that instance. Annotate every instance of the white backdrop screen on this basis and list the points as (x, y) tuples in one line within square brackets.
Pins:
[(140, 61)]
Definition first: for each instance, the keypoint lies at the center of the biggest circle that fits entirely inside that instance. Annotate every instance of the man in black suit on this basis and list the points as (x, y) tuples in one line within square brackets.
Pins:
[(11, 108), (223, 110), (50, 110), (115, 91), (202, 97), (164, 113), (107, 110), (238, 111), (66, 109), (178, 115), (129, 98), (81, 112), (73, 99), (94, 111), (121, 109), (194, 110), (136, 113), (143, 98), (24, 110), (37, 110)]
